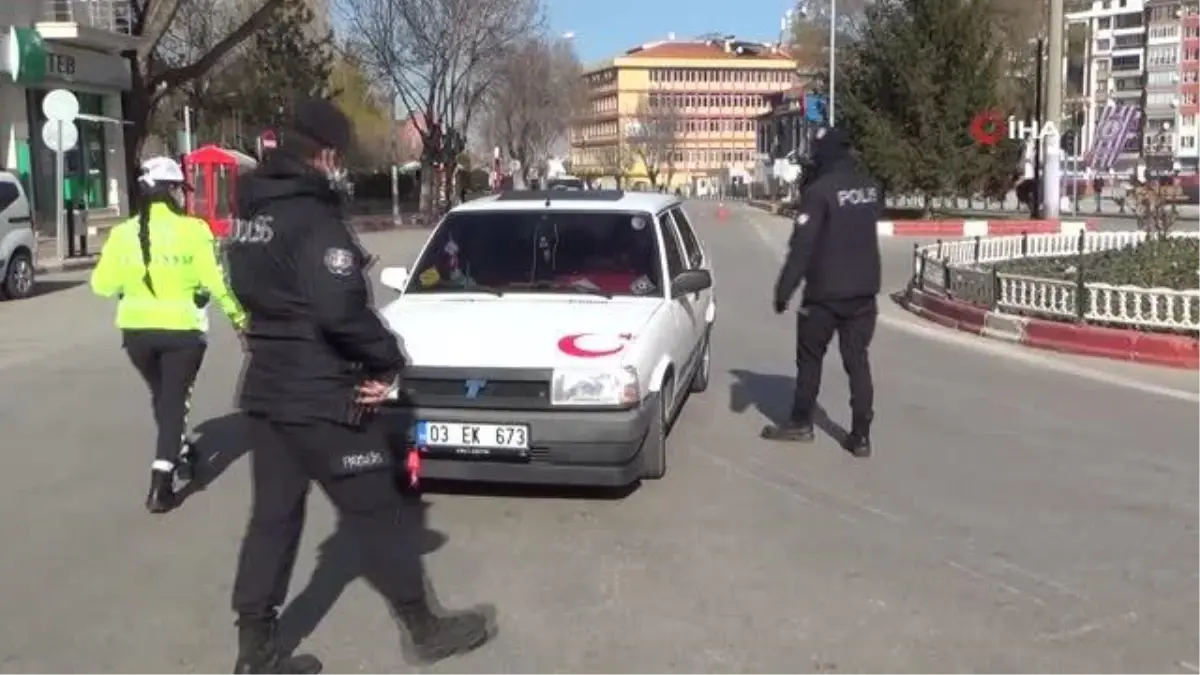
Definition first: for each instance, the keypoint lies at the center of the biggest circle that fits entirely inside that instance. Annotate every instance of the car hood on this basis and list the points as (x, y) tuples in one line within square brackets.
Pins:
[(518, 332)]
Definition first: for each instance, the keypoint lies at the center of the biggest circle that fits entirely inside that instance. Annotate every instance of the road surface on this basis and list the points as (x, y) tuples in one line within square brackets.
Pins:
[(1022, 513)]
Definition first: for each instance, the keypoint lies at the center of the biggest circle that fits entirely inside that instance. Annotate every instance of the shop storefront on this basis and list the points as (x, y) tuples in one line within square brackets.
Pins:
[(94, 170)]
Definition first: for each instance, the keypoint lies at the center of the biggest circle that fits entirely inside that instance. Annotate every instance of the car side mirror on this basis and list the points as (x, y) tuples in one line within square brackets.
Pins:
[(395, 278), (691, 281)]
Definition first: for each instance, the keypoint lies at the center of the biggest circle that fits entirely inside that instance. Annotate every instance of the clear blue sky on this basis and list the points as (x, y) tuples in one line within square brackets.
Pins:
[(605, 28)]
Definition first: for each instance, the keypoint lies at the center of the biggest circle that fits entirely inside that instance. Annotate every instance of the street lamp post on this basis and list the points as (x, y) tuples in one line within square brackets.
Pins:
[(832, 55), (803, 9)]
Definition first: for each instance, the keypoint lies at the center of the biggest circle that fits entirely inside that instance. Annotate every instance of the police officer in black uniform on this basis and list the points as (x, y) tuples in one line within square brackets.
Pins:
[(319, 360), (834, 250)]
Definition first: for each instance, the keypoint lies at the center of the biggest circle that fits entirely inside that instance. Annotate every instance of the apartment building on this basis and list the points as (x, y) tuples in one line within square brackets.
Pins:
[(1144, 53), (80, 42), (710, 89)]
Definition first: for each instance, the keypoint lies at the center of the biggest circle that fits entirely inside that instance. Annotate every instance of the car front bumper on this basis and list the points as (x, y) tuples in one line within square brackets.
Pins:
[(567, 447)]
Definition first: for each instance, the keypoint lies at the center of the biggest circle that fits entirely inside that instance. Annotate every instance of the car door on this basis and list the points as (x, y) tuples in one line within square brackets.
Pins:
[(697, 259), (685, 316)]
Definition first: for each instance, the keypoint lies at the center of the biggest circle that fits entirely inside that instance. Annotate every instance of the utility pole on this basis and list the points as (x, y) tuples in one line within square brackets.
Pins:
[(1051, 176)]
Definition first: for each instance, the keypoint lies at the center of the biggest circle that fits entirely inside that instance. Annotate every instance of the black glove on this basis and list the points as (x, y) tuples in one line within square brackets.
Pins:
[(780, 306)]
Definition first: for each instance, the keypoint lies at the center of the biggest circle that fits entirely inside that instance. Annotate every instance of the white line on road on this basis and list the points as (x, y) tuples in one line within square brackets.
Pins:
[(903, 321)]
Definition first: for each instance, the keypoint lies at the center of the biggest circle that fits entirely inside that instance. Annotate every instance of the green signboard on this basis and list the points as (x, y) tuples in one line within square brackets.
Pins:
[(26, 55)]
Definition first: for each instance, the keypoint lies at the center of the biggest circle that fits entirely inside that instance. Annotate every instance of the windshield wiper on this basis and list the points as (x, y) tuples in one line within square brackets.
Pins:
[(573, 288)]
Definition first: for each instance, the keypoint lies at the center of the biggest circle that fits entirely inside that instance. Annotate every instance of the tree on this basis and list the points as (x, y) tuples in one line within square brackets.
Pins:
[(369, 111), (922, 70), (285, 62), (536, 93), (157, 70), (616, 161), (654, 136), (436, 55)]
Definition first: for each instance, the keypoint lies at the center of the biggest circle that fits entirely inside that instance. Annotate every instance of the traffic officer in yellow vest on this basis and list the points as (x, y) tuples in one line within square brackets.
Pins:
[(162, 265)]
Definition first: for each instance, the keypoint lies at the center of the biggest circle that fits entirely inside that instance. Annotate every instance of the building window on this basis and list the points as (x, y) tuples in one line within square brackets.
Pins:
[(1103, 44), (1162, 55), (1132, 62), (1191, 53), (1128, 41), (1104, 24), (1187, 142), (1187, 121), (1191, 32), (1164, 32), (1131, 20)]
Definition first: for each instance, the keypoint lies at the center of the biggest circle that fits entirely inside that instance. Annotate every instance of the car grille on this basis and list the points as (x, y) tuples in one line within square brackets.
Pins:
[(503, 388)]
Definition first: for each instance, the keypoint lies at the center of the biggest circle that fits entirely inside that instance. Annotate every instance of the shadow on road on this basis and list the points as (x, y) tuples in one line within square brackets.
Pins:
[(339, 565), (49, 286), (219, 443), (771, 395)]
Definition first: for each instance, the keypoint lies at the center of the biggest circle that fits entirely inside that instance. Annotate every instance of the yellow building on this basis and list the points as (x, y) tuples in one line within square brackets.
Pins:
[(678, 113)]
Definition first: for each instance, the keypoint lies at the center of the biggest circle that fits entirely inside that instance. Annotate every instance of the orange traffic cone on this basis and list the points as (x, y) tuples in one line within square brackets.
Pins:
[(721, 212)]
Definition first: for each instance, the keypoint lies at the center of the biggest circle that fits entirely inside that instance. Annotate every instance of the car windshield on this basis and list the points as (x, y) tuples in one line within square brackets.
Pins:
[(542, 251)]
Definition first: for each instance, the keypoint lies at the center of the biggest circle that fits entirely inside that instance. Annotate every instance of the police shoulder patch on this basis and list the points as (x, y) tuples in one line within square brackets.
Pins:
[(339, 261)]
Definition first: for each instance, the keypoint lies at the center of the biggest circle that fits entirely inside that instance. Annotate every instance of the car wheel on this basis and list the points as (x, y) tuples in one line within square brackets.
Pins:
[(654, 448), (19, 278), (704, 369)]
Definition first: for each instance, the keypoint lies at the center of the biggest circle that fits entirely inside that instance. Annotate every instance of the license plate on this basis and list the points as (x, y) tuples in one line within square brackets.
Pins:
[(468, 435)]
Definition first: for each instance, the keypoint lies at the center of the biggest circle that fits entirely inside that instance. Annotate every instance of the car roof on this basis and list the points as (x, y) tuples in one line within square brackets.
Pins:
[(571, 200)]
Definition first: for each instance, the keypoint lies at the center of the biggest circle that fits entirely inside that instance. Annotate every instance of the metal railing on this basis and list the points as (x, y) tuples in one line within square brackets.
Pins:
[(110, 15), (965, 270)]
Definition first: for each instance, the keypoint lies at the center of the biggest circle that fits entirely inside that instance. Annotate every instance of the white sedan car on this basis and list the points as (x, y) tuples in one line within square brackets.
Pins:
[(552, 337)]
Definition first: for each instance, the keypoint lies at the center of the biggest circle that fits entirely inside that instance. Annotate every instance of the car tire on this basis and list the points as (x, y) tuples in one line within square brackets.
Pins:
[(704, 370), (19, 278), (654, 448)]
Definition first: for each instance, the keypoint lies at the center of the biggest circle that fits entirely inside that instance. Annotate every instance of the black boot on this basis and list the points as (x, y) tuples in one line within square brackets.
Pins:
[(162, 492), (801, 432), (438, 637), (858, 444), (258, 650)]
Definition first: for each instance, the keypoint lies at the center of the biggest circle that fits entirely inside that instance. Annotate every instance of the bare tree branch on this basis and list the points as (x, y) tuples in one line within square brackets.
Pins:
[(537, 90), (654, 136)]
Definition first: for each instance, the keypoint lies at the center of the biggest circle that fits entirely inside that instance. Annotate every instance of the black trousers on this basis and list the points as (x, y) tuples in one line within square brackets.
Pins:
[(168, 360), (854, 323), (386, 527)]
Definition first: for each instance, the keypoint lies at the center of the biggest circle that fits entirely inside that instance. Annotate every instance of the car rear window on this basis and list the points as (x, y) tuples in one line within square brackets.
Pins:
[(540, 251)]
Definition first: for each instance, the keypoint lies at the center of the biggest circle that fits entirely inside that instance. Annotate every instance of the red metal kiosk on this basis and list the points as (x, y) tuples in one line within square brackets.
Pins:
[(213, 172)]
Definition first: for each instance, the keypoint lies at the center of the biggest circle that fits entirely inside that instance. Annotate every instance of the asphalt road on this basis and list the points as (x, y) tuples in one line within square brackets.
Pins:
[(1022, 513)]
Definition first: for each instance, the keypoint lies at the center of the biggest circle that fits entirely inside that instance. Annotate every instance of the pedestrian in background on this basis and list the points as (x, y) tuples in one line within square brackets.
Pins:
[(834, 251), (319, 361), (1098, 189), (162, 264)]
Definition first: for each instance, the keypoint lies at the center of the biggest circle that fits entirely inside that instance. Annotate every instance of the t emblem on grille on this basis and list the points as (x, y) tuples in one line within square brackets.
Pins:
[(474, 387)]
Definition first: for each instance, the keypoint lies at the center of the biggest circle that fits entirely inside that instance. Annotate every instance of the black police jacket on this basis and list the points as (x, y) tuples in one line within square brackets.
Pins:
[(834, 247), (298, 270)]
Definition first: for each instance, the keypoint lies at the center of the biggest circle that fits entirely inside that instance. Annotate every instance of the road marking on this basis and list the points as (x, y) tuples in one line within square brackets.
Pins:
[(992, 581), (901, 320), (1090, 627), (1189, 666)]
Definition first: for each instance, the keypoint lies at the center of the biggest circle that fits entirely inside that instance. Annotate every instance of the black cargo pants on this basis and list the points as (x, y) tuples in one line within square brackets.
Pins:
[(168, 360), (354, 467), (854, 323)]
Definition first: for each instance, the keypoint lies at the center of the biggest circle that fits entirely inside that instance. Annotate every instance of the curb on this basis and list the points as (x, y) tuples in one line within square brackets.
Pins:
[(1118, 344), (980, 228)]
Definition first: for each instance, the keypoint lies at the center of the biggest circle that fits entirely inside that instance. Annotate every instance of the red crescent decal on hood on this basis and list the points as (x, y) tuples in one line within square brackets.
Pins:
[(569, 346)]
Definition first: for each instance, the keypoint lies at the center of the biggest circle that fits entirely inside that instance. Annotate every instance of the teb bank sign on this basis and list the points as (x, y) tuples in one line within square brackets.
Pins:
[(991, 126)]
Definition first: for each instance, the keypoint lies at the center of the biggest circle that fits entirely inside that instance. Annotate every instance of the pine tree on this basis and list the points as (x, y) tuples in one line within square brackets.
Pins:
[(910, 88), (286, 62)]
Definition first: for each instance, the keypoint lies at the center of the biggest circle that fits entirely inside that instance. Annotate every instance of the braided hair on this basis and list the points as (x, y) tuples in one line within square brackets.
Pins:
[(159, 193)]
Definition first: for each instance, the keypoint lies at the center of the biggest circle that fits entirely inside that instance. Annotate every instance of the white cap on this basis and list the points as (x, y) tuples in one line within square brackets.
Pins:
[(160, 170)]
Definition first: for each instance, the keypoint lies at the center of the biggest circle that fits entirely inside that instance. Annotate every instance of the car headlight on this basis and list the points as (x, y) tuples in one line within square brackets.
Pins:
[(595, 387)]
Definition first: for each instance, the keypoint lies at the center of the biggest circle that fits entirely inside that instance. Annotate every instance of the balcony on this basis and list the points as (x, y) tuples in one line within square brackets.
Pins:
[(103, 24)]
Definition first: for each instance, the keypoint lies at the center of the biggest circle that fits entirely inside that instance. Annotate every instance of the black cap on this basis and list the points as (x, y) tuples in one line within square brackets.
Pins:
[(324, 123), (830, 144)]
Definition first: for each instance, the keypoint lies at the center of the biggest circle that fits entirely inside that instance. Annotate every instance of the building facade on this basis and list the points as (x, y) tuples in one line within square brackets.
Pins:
[(1144, 53), (81, 42), (701, 98)]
